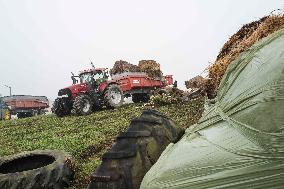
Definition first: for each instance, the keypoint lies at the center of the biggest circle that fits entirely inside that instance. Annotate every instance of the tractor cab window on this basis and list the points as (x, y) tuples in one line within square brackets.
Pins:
[(86, 78), (99, 75)]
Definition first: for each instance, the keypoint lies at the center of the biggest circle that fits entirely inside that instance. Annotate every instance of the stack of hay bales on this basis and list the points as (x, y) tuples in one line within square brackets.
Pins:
[(151, 67), (122, 66), (239, 42)]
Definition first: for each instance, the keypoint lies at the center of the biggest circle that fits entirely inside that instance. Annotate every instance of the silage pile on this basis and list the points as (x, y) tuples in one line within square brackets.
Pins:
[(169, 95), (197, 82), (151, 67), (166, 96), (240, 42)]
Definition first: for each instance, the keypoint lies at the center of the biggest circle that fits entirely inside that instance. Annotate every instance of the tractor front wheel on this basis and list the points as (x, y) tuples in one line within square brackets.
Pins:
[(82, 105), (61, 107), (113, 96)]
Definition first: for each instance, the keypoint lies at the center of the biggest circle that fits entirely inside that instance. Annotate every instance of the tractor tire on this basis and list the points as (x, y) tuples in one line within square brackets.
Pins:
[(48, 169), (83, 105), (135, 152), (113, 96), (60, 107), (97, 105), (140, 97)]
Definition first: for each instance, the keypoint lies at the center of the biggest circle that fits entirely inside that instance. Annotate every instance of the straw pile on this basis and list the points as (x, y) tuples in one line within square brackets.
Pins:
[(239, 42), (151, 67)]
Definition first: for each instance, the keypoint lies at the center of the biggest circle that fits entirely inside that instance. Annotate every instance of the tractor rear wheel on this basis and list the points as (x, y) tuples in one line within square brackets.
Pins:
[(113, 96), (82, 105)]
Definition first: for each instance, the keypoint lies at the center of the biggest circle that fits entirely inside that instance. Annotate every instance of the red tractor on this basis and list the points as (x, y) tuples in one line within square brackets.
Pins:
[(93, 90)]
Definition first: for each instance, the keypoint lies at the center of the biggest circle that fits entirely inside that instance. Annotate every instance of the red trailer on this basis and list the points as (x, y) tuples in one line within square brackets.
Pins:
[(132, 83), (26, 105)]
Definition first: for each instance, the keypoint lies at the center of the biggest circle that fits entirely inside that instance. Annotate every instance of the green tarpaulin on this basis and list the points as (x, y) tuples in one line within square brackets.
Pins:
[(239, 142)]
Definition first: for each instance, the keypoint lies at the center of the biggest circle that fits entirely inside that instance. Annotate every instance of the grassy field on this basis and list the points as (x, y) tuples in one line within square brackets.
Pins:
[(86, 138)]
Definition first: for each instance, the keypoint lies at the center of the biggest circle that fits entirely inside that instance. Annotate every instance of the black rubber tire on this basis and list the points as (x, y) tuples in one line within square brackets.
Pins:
[(109, 102), (80, 103), (134, 153), (47, 169), (97, 104), (140, 97), (61, 108)]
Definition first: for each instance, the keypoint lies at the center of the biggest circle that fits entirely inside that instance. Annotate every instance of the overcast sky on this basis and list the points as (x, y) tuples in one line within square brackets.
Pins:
[(42, 41)]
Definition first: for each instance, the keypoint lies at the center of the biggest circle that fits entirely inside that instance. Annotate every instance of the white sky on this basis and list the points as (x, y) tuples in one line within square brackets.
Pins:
[(42, 41)]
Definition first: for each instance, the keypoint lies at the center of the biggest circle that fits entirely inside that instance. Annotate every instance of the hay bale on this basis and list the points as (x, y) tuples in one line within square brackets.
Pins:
[(241, 41), (122, 66), (151, 67)]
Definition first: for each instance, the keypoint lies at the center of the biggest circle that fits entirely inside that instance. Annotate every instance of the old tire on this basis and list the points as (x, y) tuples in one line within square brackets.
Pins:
[(140, 97), (82, 105), (134, 153), (48, 169), (113, 96)]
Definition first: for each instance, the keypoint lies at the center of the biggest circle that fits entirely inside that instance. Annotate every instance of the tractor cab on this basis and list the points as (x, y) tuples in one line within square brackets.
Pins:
[(92, 76)]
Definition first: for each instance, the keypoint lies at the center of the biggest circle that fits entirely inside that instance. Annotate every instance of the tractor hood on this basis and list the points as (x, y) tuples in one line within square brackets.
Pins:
[(74, 90)]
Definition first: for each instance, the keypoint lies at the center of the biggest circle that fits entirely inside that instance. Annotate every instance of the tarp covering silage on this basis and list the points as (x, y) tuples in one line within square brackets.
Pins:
[(239, 142)]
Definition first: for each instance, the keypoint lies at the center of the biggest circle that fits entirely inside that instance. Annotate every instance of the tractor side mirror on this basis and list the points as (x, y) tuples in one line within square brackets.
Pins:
[(75, 81)]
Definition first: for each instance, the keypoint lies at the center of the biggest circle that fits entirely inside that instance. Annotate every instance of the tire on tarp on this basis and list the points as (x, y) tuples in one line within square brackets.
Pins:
[(40, 169), (134, 153)]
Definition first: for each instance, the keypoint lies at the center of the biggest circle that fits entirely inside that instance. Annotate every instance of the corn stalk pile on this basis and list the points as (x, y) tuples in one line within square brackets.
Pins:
[(240, 42)]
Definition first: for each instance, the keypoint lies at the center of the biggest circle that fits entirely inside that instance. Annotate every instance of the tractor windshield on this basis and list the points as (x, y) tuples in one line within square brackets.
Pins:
[(86, 78), (99, 75)]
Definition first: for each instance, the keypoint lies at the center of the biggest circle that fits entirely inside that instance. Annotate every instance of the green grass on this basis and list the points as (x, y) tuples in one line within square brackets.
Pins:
[(86, 138)]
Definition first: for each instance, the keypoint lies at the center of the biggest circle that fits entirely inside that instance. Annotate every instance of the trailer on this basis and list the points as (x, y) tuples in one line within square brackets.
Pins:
[(139, 85), (26, 105)]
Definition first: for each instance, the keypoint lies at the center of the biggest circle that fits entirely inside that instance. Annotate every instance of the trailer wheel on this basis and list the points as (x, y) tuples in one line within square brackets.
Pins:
[(134, 153), (113, 96), (24, 114), (48, 169), (83, 105), (140, 97)]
